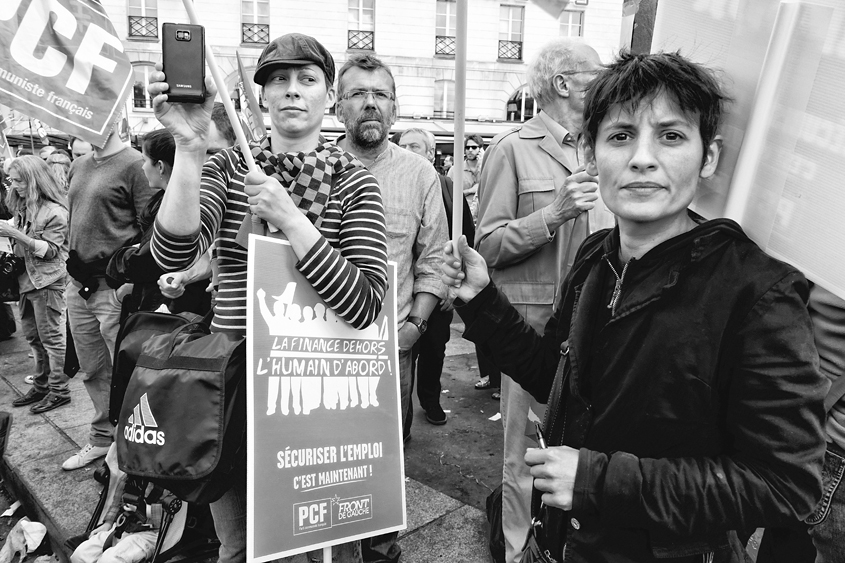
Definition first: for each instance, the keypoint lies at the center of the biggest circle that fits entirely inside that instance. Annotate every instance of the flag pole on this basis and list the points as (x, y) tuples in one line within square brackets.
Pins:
[(460, 114), (224, 95)]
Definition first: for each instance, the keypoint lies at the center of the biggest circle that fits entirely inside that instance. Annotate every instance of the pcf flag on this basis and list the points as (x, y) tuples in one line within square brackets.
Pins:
[(62, 62), (254, 127)]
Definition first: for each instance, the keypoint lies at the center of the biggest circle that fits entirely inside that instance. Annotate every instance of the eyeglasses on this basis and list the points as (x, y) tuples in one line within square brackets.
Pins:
[(471, 148), (571, 72), (361, 95)]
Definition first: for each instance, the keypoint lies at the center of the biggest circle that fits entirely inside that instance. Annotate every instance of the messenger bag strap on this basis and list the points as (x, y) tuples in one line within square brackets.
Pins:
[(837, 391)]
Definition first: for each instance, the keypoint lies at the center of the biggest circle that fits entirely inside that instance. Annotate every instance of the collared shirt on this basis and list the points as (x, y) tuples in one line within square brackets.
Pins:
[(600, 216), (560, 133), (416, 223)]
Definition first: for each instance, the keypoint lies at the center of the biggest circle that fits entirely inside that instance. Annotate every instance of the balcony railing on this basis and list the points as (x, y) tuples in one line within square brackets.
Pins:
[(362, 40), (143, 26), (444, 45), (255, 33), (510, 50)]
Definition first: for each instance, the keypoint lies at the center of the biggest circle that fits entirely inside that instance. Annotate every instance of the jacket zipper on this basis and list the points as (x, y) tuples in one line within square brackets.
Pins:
[(617, 289)]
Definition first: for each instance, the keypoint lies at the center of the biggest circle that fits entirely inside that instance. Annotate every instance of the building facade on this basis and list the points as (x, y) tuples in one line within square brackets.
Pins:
[(415, 37)]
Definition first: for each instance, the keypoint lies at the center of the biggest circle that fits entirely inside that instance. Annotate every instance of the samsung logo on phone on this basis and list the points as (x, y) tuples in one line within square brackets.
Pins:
[(184, 85)]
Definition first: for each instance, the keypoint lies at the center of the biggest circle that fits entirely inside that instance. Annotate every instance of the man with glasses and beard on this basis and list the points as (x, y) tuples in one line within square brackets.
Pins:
[(416, 221)]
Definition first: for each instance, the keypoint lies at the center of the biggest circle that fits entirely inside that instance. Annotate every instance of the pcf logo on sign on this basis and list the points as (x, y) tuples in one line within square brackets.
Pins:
[(311, 516)]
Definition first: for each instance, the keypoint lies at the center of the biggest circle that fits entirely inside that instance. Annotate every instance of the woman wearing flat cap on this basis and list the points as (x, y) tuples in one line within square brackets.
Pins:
[(341, 209)]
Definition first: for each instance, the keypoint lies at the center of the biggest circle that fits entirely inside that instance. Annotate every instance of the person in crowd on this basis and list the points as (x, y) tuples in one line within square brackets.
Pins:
[(345, 257), (473, 147), (430, 350), (533, 196), (447, 164), (40, 235), (107, 193), (79, 148), (819, 537), (416, 222), (134, 264), (7, 316), (685, 402), (59, 163), (416, 219), (46, 151)]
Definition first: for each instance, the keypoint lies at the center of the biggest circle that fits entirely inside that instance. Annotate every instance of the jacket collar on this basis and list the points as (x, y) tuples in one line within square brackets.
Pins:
[(663, 265), (535, 128)]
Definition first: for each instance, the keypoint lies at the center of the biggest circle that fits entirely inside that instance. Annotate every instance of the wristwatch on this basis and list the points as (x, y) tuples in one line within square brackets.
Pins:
[(421, 324)]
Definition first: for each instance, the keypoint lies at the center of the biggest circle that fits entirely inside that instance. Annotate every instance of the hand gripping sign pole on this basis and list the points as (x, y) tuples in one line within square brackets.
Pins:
[(460, 113)]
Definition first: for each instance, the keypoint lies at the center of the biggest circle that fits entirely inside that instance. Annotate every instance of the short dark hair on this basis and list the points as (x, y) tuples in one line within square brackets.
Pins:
[(364, 62), (633, 79), (477, 138), (159, 145), (221, 121)]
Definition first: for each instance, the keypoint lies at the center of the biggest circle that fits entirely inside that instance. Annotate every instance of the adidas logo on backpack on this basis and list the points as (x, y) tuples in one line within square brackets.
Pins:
[(141, 421)]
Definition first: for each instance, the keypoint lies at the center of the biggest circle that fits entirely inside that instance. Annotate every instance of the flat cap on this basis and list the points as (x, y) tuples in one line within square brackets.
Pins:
[(294, 49)]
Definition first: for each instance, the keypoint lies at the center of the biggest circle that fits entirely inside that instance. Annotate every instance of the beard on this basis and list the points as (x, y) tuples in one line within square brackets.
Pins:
[(371, 134)]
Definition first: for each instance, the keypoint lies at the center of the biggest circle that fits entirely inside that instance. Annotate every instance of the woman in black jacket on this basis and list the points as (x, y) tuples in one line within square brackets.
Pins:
[(685, 400)]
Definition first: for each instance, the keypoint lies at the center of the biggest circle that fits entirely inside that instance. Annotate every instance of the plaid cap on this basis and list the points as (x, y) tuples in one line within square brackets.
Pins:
[(294, 49)]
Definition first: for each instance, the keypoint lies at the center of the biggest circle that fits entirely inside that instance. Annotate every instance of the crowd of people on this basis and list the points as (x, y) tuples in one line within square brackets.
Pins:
[(675, 365)]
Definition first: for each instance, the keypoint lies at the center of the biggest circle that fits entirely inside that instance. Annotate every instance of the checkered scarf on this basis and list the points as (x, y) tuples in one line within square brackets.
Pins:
[(308, 177)]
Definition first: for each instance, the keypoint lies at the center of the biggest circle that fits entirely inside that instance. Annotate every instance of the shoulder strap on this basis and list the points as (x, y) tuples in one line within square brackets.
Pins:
[(837, 391)]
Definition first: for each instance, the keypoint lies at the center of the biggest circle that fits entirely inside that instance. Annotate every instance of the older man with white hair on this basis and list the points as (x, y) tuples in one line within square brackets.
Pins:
[(430, 350), (533, 195)]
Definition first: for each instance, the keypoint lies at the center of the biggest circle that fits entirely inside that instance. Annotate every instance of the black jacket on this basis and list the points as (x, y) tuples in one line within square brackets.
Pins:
[(697, 406)]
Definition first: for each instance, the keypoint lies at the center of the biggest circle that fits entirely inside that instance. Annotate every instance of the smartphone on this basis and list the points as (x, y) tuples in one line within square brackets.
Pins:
[(183, 58)]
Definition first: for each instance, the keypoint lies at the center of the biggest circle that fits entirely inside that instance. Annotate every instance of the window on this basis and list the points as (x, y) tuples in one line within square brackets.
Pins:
[(510, 32), (140, 98), (143, 18), (255, 21), (521, 105), (571, 24), (362, 25), (444, 99), (444, 41)]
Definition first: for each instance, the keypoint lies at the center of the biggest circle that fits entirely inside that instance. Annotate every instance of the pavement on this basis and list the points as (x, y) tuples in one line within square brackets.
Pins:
[(450, 469)]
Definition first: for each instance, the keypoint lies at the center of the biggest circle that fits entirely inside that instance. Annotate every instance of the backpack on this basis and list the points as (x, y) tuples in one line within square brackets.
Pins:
[(182, 422)]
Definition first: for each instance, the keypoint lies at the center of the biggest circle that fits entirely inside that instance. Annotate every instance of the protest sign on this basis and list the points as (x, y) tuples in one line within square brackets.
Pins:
[(325, 462), (62, 62), (780, 168)]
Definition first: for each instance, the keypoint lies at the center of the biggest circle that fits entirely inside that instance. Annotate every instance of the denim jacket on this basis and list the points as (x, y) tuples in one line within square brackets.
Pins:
[(51, 226), (696, 408)]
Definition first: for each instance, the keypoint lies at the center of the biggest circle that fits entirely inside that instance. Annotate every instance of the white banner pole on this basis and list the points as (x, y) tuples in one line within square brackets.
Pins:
[(460, 114)]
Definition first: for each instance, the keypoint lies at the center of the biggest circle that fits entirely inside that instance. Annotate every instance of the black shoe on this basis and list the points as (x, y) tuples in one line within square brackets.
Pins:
[(435, 415), (32, 396), (48, 403)]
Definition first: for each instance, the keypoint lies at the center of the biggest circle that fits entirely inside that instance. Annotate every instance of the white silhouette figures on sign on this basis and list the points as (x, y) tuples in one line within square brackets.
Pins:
[(321, 360)]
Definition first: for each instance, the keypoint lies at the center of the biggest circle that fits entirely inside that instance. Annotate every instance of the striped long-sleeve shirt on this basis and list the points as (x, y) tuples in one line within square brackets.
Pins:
[(347, 267)]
